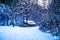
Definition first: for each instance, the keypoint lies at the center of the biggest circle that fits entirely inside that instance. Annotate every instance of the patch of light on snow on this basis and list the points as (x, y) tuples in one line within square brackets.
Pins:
[(23, 33), (31, 22)]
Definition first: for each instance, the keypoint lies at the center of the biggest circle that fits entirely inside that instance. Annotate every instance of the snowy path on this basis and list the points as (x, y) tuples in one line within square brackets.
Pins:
[(20, 33)]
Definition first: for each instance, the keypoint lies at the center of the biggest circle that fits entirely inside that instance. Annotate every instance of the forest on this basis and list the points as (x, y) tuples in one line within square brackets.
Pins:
[(14, 12)]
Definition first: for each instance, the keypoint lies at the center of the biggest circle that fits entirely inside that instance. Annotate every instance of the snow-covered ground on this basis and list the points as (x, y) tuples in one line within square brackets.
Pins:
[(23, 33)]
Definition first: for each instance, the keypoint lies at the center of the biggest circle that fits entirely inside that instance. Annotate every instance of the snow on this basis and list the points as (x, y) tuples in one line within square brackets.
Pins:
[(23, 33)]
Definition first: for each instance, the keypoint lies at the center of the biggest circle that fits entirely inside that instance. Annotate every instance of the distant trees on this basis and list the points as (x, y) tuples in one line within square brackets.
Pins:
[(6, 1), (5, 14)]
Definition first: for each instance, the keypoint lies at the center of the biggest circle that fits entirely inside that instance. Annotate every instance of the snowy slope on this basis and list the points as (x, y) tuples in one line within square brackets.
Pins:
[(23, 33)]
